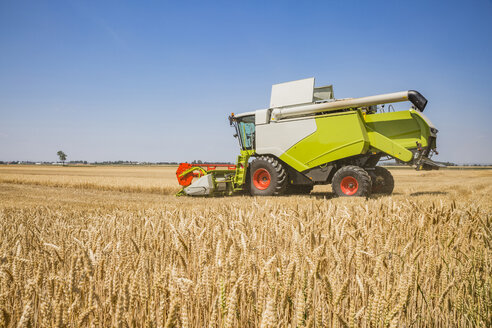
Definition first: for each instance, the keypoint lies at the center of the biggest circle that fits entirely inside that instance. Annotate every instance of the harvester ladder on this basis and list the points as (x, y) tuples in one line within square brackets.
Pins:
[(241, 168)]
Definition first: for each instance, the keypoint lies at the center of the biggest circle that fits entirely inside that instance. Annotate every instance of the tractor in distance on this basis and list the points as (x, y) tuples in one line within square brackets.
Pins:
[(307, 137)]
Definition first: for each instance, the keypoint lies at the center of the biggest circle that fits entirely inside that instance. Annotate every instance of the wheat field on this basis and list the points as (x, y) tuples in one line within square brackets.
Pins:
[(112, 247)]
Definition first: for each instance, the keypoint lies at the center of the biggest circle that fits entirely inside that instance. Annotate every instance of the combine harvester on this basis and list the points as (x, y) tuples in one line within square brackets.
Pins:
[(308, 137)]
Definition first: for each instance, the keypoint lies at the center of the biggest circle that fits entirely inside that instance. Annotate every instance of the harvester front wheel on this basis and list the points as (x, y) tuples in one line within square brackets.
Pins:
[(382, 181), (267, 177), (352, 181)]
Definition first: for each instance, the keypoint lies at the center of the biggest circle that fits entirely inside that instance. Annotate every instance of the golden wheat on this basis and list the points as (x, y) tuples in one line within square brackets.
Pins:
[(87, 257)]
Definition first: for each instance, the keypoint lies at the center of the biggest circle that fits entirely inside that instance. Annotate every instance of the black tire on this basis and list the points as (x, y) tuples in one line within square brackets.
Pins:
[(382, 181), (298, 189), (276, 174), (352, 181)]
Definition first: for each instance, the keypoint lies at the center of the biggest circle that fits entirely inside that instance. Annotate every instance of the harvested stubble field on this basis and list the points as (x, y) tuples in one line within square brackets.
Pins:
[(111, 246)]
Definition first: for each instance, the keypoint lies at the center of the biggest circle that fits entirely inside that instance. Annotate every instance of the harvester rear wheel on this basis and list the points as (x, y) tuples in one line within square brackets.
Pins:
[(352, 181), (382, 181), (267, 177)]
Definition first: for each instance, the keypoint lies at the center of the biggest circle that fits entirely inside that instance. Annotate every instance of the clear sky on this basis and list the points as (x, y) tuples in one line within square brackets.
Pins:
[(156, 80)]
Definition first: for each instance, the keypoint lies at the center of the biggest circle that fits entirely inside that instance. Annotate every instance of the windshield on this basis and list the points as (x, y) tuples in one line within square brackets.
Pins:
[(246, 130)]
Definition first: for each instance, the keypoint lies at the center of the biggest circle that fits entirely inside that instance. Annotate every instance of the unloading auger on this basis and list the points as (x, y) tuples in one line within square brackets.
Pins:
[(307, 137)]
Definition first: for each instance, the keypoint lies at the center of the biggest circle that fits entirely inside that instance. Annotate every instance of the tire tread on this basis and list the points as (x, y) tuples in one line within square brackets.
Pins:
[(389, 182), (365, 182), (279, 169)]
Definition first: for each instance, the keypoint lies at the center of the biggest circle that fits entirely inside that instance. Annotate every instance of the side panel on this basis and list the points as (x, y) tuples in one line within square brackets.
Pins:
[(277, 137), (305, 143), (404, 128), (386, 145), (337, 136)]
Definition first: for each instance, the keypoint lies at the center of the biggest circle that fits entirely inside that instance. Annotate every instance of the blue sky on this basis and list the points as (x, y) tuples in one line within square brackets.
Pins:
[(156, 80)]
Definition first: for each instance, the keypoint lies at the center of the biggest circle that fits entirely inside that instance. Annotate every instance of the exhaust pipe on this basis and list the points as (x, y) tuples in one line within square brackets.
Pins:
[(413, 96)]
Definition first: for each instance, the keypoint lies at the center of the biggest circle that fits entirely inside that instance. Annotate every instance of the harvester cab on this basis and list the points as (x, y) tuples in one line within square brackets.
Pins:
[(307, 137), (245, 130)]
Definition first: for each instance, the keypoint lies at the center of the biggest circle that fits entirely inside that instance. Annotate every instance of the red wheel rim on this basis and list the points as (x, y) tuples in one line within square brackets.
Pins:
[(261, 179), (349, 185)]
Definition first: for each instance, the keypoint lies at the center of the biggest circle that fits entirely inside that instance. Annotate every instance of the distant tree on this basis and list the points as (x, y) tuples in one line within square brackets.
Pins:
[(62, 156)]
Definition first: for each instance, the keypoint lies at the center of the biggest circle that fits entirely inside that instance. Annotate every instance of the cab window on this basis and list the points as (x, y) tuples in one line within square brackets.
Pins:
[(247, 131)]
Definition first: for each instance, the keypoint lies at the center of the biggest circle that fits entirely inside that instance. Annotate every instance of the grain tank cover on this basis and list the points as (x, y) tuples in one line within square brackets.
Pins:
[(292, 93), (299, 92)]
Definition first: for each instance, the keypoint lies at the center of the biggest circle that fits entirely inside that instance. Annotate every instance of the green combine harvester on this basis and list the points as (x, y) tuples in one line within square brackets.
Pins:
[(307, 137)]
